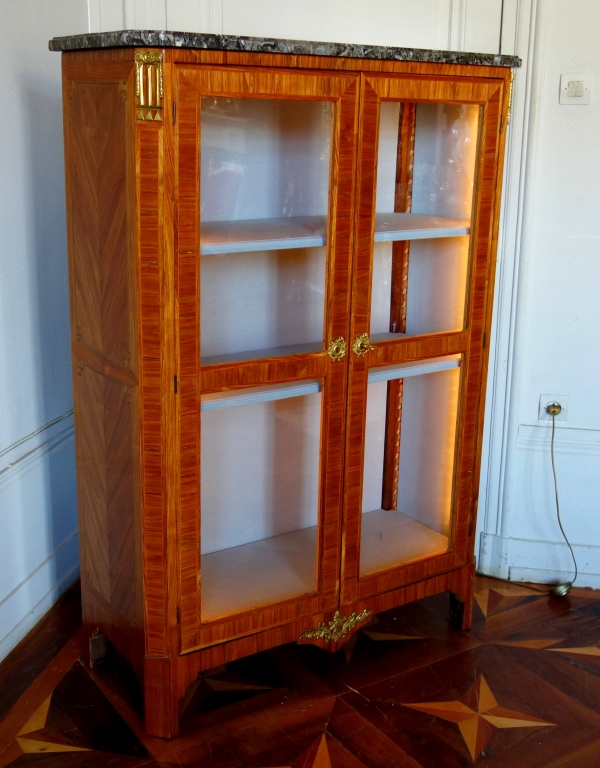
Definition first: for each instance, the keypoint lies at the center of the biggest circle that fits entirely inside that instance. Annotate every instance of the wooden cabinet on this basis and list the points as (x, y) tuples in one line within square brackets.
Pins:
[(281, 277)]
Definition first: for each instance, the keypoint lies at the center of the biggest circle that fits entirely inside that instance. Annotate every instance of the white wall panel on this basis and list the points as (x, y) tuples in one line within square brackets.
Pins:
[(423, 24), (482, 25), (35, 369), (186, 16), (195, 15), (426, 24), (548, 317), (472, 25), (38, 528), (38, 515), (559, 319), (107, 15), (138, 14)]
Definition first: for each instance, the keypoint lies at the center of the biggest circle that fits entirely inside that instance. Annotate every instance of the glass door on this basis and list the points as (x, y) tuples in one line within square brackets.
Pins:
[(425, 226), (272, 160), (264, 180)]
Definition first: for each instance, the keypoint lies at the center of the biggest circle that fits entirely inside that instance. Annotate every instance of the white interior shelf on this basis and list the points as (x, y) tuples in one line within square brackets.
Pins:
[(259, 573), (413, 368), (389, 539), (417, 226), (243, 235), (270, 570), (215, 400), (262, 234)]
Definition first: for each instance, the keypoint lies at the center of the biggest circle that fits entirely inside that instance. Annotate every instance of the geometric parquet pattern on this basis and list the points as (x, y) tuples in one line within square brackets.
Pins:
[(520, 690)]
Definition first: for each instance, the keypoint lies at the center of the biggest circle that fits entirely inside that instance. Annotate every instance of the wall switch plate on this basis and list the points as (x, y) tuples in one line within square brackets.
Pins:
[(545, 400), (575, 88)]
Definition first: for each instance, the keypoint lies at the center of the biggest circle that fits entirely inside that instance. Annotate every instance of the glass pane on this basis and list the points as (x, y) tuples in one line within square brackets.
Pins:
[(410, 440), (264, 201), (425, 183), (260, 496)]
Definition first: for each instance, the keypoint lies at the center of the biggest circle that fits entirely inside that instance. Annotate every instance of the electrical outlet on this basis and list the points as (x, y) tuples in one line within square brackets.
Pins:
[(562, 400)]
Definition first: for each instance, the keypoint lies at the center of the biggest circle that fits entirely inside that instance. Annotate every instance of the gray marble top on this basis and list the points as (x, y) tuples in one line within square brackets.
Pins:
[(159, 39)]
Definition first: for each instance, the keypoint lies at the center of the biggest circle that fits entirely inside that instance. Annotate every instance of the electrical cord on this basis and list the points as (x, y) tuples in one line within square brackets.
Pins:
[(559, 590), (563, 588)]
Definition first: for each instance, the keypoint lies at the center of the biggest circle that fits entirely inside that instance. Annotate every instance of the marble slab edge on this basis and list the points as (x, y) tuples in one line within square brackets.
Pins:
[(161, 39)]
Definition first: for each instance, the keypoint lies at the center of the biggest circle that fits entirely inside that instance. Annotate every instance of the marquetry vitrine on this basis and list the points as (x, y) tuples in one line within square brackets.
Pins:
[(281, 267)]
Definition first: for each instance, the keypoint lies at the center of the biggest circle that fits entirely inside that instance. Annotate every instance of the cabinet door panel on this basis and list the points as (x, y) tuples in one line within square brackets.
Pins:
[(409, 464), (260, 498), (266, 165), (425, 235), (265, 169), (424, 195)]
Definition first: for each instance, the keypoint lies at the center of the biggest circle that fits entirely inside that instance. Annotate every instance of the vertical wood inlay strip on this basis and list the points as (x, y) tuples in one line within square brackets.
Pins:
[(400, 255), (152, 437)]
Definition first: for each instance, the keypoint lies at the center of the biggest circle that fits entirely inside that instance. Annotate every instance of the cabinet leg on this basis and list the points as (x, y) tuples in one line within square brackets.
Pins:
[(461, 598), (160, 698), (460, 613)]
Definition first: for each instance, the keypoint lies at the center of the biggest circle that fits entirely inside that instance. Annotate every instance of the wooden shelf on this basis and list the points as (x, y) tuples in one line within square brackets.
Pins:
[(215, 400), (307, 348), (389, 539), (258, 574), (414, 368), (218, 237)]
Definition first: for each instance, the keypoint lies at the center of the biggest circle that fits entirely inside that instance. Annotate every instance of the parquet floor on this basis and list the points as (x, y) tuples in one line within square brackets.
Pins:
[(521, 689)]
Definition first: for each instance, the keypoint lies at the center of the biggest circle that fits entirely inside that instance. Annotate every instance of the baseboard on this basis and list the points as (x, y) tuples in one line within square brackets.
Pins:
[(38, 527), (544, 562), (541, 576)]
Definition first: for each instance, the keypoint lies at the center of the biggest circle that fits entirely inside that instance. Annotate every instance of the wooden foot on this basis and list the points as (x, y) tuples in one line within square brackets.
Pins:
[(161, 703), (459, 616), (461, 598)]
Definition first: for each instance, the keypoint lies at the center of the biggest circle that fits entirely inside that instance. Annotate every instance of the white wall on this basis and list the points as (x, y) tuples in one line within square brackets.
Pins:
[(469, 25), (551, 322), (38, 521)]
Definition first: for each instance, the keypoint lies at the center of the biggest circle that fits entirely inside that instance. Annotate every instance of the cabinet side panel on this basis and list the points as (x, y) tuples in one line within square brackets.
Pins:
[(118, 442), (91, 481), (106, 490), (99, 218), (98, 120)]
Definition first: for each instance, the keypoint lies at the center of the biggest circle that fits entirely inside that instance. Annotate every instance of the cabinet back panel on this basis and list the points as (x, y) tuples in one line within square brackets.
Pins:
[(441, 171), (262, 300), (98, 189), (260, 471), (427, 447), (264, 158)]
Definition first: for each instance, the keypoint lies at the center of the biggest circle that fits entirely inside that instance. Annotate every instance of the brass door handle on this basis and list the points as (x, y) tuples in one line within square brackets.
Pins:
[(337, 349), (362, 345)]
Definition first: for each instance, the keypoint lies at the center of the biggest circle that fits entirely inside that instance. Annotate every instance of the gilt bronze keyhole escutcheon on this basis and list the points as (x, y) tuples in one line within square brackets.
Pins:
[(362, 345), (337, 349)]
